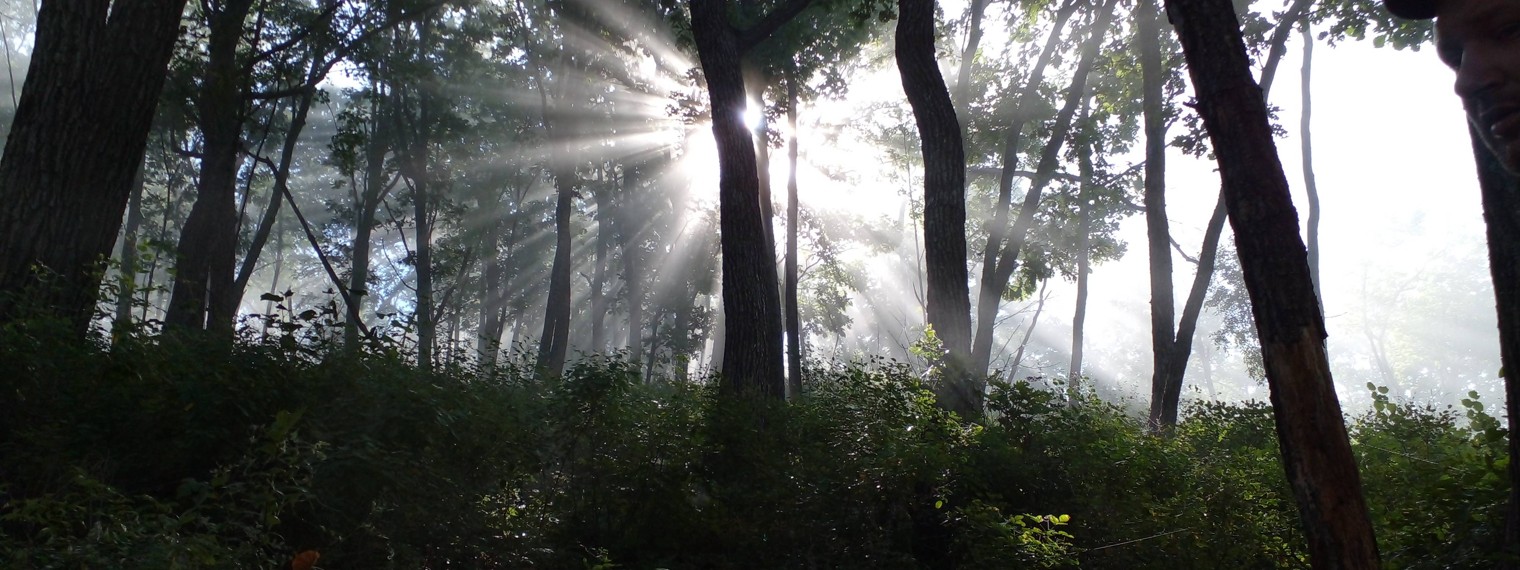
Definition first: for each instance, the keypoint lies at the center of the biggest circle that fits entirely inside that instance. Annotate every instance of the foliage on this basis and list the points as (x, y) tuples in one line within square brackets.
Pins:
[(165, 452)]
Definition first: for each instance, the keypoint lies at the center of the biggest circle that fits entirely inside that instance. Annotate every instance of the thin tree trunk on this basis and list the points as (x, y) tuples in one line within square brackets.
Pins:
[(949, 305), (630, 215), (375, 188), (89, 99), (1034, 321), (1317, 456), (1310, 185), (1158, 233), (272, 212), (553, 345), (1084, 246), (127, 290), (962, 92), (599, 272), (1004, 255), (793, 318)]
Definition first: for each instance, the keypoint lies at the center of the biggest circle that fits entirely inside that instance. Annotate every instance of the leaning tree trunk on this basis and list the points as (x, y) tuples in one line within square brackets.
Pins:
[(203, 269), (1311, 430), (553, 346), (1501, 212), (376, 186), (752, 355), (89, 99), (127, 288), (949, 298), (1311, 186)]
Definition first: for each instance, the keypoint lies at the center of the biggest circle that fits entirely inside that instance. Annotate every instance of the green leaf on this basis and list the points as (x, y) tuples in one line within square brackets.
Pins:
[(939, 504)]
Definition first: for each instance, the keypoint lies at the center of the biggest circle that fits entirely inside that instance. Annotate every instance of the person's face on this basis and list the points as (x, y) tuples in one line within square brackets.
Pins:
[(1480, 39)]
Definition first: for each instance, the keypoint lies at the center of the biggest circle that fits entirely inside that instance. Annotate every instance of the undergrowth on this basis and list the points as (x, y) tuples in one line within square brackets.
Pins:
[(166, 452)]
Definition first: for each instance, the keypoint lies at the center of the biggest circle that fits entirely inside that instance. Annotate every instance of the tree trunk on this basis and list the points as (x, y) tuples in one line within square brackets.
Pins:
[(1311, 187), (281, 183), (203, 297), (376, 186), (752, 353), (554, 344), (793, 318), (1501, 212), (1001, 259), (599, 272), (949, 305), (1157, 230), (1311, 430), (1084, 245), (630, 215), (962, 93), (127, 289), (90, 94)]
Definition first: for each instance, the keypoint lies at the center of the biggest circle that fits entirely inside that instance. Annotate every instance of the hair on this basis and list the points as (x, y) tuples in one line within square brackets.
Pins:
[(1412, 9)]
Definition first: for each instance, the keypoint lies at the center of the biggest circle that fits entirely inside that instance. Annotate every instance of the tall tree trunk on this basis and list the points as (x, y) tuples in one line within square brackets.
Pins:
[(90, 94), (599, 271), (1501, 214), (1084, 245), (962, 93), (752, 353), (203, 298), (629, 227), (1317, 455), (554, 344), (376, 186), (1001, 258), (1173, 348), (1157, 231), (793, 317), (127, 289), (272, 213), (1311, 186), (949, 304)]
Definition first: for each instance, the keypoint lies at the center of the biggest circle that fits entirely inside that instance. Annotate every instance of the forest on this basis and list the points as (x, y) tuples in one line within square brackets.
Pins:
[(332, 284)]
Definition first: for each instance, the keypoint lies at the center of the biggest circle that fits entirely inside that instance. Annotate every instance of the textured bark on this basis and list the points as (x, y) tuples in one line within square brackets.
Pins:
[(202, 296), (949, 297), (1001, 258), (793, 317), (1311, 431), (752, 354), (1173, 348), (1501, 213), (91, 90)]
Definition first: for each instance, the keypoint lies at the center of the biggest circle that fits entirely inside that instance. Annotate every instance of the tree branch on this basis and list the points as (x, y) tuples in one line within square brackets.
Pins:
[(770, 23)]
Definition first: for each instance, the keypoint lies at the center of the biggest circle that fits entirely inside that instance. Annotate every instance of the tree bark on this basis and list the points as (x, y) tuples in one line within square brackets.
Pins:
[(949, 297), (1084, 244), (629, 228), (962, 92), (376, 186), (203, 299), (1311, 430), (89, 99), (752, 354), (603, 198), (1157, 231), (1311, 186), (793, 317), (1501, 214), (272, 213), (554, 344)]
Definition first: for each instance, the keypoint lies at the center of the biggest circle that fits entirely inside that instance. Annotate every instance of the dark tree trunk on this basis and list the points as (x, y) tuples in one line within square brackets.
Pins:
[(203, 297), (89, 99), (949, 304), (1157, 231), (488, 337), (1172, 349), (127, 290), (1317, 455), (1501, 212), (962, 93), (599, 272), (272, 213), (752, 353), (793, 318), (376, 186), (554, 344), (629, 227), (1084, 245), (1001, 259)]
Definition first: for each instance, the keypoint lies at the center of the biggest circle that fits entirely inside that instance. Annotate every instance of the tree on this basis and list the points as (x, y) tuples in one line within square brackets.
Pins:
[(752, 355), (949, 304), (1311, 431), (89, 99)]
